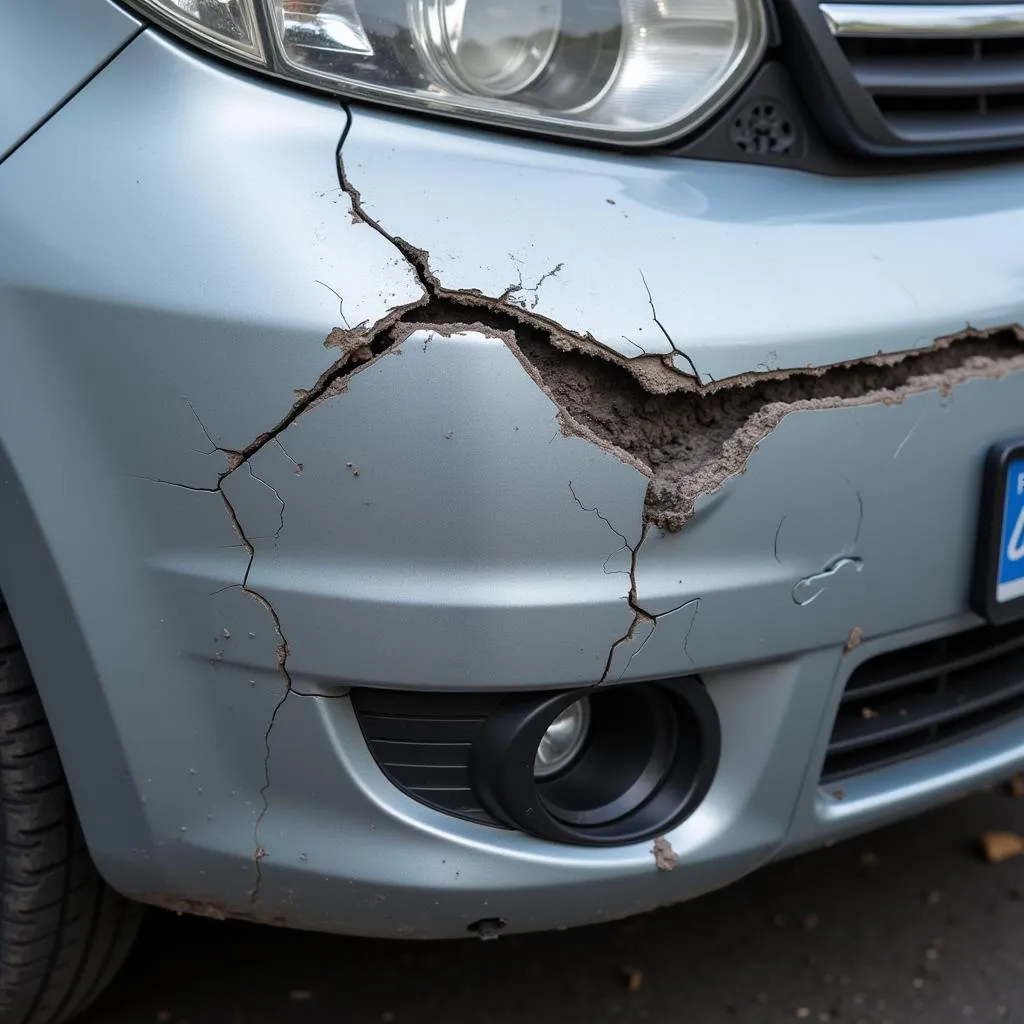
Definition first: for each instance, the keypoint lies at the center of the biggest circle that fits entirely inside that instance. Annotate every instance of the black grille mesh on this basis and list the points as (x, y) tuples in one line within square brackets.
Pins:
[(422, 743), (930, 90), (910, 701)]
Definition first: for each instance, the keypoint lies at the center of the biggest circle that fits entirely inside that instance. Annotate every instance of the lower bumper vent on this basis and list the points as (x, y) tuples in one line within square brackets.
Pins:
[(904, 703)]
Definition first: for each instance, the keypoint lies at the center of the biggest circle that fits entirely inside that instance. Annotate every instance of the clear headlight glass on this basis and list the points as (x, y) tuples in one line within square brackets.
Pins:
[(220, 24), (630, 72)]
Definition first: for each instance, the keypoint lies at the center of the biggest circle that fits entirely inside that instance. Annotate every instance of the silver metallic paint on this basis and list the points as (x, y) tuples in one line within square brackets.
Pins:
[(169, 289)]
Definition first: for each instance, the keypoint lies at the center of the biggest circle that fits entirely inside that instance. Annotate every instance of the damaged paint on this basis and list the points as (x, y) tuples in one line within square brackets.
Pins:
[(665, 858), (689, 442), (685, 433), (749, 267), (641, 618), (810, 588), (853, 641), (687, 437)]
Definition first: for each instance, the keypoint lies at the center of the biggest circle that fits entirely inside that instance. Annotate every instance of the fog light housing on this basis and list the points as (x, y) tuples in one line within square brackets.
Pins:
[(621, 765)]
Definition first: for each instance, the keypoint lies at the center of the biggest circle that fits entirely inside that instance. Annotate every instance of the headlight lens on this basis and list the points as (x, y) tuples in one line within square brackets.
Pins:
[(482, 47), (631, 72), (222, 24)]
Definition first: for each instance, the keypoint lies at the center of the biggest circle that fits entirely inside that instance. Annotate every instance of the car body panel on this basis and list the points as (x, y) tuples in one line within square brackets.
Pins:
[(424, 515), (47, 50), (749, 269)]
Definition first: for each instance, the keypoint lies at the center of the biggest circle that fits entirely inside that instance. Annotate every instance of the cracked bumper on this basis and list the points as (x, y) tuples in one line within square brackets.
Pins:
[(426, 526)]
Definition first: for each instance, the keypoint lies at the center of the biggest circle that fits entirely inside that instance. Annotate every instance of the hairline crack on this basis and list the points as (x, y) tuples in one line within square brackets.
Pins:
[(362, 346)]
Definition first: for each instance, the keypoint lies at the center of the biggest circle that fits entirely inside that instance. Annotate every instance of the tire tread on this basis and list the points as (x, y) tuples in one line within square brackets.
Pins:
[(63, 932)]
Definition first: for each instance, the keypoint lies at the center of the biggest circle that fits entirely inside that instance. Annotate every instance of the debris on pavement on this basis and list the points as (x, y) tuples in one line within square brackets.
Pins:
[(634, 978), (1000, 846)]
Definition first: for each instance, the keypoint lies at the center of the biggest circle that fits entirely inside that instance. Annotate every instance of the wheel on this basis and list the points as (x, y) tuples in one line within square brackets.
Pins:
[(63, 931)]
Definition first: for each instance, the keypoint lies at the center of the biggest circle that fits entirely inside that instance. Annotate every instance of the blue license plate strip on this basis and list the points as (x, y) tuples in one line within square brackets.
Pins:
[(998, 592)]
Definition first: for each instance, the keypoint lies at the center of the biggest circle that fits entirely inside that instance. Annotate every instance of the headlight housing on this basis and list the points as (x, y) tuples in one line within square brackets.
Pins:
[(628, 72)]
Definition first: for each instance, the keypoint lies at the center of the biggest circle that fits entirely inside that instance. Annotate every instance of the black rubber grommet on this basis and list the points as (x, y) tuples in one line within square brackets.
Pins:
[(648, 761)]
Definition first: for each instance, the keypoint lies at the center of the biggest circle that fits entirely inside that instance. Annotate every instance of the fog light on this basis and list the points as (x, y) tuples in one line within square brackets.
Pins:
[(561, 743), (620, 765)]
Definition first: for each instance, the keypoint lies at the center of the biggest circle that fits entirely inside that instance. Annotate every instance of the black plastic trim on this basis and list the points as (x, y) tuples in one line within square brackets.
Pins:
[(413, 736), (813, 149), (649, 761), (651, 754), (847, 111), (912, 701)]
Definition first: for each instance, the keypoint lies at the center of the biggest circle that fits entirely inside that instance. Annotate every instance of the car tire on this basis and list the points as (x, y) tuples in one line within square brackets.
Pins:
[(63, 931)]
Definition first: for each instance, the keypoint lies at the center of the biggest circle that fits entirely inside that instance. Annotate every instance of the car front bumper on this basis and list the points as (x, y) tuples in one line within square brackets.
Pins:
[(178, 248)]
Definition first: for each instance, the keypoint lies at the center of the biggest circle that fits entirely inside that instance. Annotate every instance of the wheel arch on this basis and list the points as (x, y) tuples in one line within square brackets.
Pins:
[(63, 669)]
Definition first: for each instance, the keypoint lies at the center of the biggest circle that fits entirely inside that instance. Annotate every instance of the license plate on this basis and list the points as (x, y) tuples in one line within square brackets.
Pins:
[(999, 579)]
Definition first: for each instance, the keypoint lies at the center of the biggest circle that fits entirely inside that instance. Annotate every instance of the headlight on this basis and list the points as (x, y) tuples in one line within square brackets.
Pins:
[(630, 72)]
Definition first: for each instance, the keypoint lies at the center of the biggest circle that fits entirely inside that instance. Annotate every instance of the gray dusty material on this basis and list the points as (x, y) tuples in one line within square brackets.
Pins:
[(691, 443), (689, 439), (665, 857), (905, 926)]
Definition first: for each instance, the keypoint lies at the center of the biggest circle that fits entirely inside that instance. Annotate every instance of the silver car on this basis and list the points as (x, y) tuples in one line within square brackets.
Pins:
[(470, 467)]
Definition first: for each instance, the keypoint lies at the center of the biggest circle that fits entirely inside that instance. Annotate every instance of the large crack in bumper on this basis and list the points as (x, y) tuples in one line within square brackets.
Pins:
[(425, 524)]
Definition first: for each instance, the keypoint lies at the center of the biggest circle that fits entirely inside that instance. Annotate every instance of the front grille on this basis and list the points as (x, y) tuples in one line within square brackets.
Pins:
[(890, 78), (946, 89), (907, 702)]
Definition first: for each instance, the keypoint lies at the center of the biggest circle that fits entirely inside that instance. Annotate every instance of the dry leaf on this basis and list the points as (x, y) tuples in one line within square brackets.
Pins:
[(634, 978), (1000, 846)]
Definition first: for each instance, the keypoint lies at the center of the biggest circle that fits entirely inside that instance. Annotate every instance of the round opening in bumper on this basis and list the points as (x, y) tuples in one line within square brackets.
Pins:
[(645, 763)]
